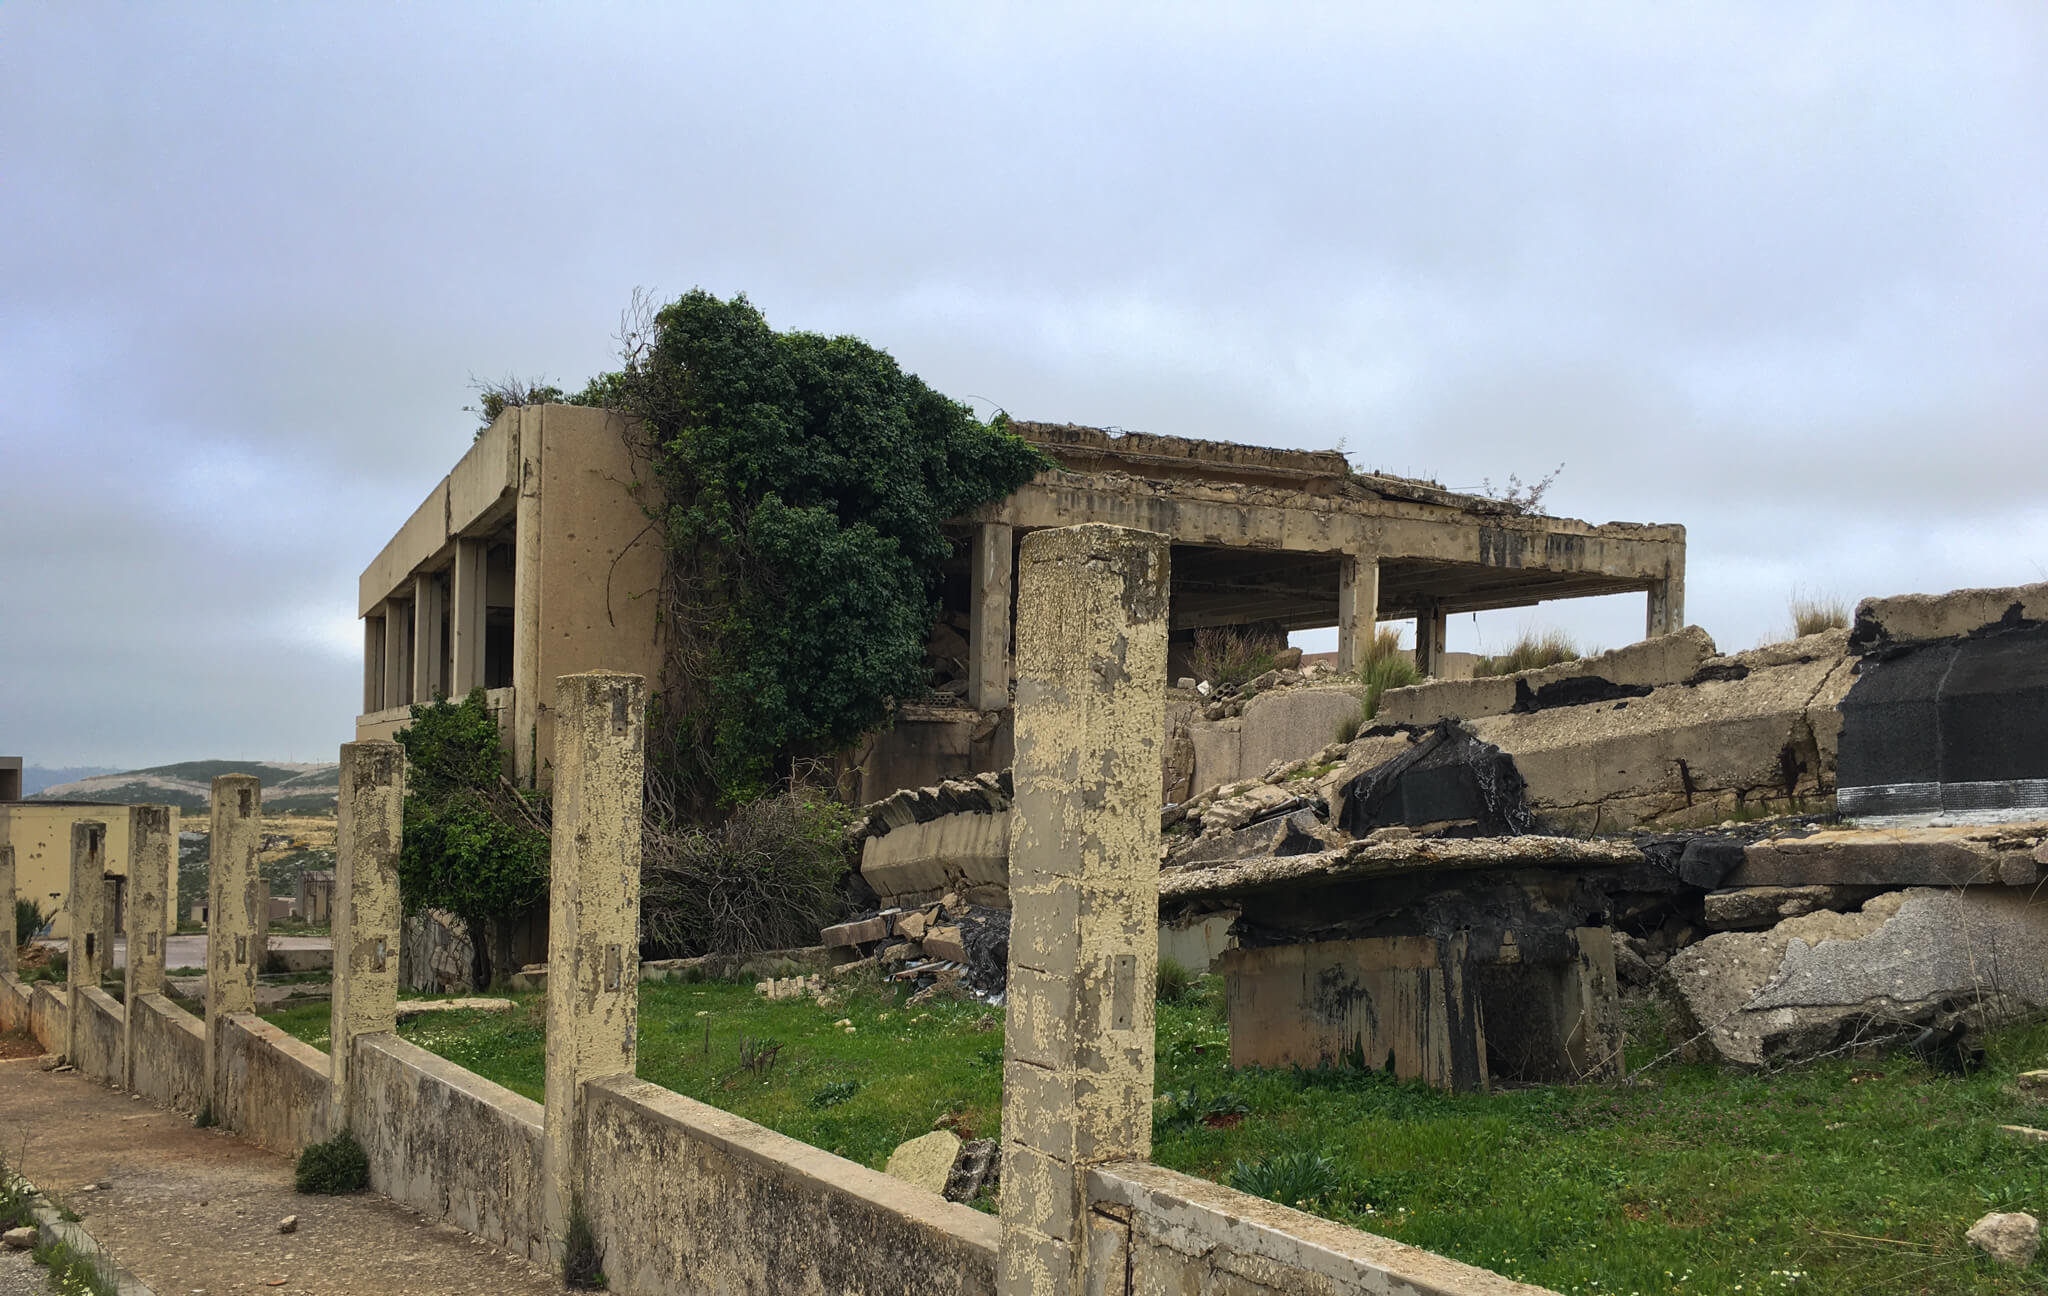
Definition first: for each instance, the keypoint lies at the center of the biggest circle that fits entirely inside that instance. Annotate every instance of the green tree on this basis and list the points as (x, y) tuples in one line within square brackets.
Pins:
[(806, 480), (474, 844)]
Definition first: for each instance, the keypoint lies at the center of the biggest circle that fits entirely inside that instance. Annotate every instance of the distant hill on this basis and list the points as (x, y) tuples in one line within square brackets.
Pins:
[(189, 786), (34, 778)]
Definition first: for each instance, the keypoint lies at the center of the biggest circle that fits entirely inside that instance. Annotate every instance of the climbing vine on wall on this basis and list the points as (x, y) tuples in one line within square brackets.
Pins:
[(804, 481)]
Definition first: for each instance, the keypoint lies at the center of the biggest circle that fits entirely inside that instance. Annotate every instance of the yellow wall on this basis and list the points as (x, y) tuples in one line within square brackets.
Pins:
[(40, 832)]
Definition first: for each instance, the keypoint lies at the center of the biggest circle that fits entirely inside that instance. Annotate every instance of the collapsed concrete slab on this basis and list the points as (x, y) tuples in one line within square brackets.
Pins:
[(1907, 961), (1950, 855), (1629, 671), (1755, 908)]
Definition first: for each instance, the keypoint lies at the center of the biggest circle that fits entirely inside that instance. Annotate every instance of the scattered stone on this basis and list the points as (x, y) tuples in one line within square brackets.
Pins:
[(1295, 834), (911, 926), (19, 1239), (1630, 967), (289, 1224), (926, 1160), (2009, 1237), (796, 987), (1184, 682), (945, 943), (2034, 1084), (978, 1167), (847, 971), (2026, 1132)]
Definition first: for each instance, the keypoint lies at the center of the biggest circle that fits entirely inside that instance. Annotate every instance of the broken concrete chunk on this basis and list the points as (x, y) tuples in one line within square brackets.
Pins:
[(978, 1167), (2010, 1238), (911, 926), (1908, 960), (855, 933), (1948, 856), (945, 943), (19, 1239), (1293, 834), (1754, 908), (2034, 1084), (926, 1160)]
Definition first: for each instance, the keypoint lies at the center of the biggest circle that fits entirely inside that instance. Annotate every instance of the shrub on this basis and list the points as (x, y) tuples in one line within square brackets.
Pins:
[(1811, 615), (768, 878), (1174, 981), (1533, 651), (337, 1166), (28, 919), (1298, 1179), (1227, 656), (834, 1093), (1385, 667)]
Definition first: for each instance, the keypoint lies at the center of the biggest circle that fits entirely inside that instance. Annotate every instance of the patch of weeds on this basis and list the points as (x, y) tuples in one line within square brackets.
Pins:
[(1533, 651), (1174, 981), (1384, 668), (73, 1273), (582, 1258), (1178, 1111), (337, 1166), (838, 1091), (1301, 1178), (16, 1201), (205, 1119), (992, 1056)]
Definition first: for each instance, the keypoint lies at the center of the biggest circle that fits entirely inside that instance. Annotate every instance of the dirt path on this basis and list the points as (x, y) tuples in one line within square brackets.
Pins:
[(193, 1211)]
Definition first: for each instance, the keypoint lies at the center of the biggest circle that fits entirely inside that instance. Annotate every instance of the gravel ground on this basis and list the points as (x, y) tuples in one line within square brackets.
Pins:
[(21, 1276)]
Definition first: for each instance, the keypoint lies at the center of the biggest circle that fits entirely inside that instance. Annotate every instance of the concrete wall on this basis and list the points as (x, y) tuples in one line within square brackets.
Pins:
[(685, 1197), (1667, 659), (449, 1143), (1170, 1232), (1276, 727), (277, 1095), (49, 1017), (170, 1054), (99, 1035), (40, 832), (14, 1004)]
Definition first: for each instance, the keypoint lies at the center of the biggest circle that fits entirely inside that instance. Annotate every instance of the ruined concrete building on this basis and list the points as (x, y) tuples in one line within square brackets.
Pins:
[(532, 559)]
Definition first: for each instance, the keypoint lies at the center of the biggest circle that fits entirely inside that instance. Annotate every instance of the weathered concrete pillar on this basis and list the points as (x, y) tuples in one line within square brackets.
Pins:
[(1358, 606), (7, 967), (594, 911), (152, 893), (988, 630), (526, 698), (467, 606), (397, 678), (373, 663), (368, 832), (1084, 887), (1665, 607), (1430, 627), (232, 954), (88, 950), (428, 648)]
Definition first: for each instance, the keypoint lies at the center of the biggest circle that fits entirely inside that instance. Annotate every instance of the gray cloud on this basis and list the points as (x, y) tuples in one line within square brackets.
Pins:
[(1775, 272)]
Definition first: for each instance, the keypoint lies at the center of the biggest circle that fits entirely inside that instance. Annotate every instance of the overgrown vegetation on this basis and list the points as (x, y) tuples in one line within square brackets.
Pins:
[(74, 1273), (1385, 667), (495, 397), (1227, 656), (28, 920), (1174, 980), (1533, 651), (474, 844), (1812, 614), (767, 878), (332, 1168), (805, 479), (1519, 499), (1845, 1176)]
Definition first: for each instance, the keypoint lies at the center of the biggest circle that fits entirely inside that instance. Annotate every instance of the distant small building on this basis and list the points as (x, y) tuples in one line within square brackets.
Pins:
[(533, 558)]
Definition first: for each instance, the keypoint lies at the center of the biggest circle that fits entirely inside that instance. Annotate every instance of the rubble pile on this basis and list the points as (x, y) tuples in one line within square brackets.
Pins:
[(947, 947)]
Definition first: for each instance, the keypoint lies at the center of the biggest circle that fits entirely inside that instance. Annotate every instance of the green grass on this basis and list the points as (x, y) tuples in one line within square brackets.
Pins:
[(1533, 651), (1695, 1180)]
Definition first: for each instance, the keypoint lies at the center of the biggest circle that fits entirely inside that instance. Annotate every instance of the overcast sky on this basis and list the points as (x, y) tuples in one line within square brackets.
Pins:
[(1777, 272)]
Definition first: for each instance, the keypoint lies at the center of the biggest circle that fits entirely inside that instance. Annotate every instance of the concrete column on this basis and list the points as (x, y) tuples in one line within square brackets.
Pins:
[(232, 953), (594, 911), (7, 907), (1358, 606), (466, 617), (397, 680), (152, 893), (87, 952), (1084, 888), (526, 546), (373, 664), (988, 630), (1665, 610), (428, 648), (368, 832), (1430, 627)]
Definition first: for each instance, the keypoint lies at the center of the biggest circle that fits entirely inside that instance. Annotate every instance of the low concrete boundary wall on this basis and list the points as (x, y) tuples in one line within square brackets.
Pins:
[(170, 1054), (1176, 1233), (1667, 659), (277, 1087), (14, 1003), (49, 1017), (100, 1029), (450, 1143), (685, 1197)]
